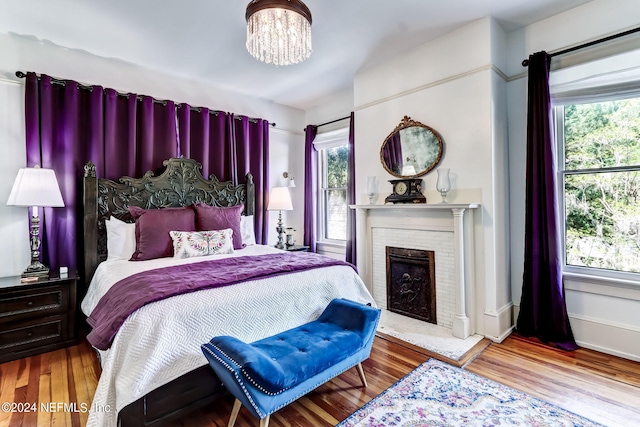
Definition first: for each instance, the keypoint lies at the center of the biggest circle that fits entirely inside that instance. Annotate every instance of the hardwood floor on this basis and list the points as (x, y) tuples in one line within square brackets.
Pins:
[(598, 386)]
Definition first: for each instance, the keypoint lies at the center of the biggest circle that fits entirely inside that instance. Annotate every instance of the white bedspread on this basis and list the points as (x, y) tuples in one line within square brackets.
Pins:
[(161, 341)]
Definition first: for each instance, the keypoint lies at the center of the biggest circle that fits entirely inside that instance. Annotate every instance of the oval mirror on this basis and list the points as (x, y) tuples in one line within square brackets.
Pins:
[(411, 150)]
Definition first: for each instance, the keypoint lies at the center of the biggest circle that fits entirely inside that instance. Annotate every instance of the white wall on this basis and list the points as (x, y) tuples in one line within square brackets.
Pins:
[(603, 315), (452, 85), (14, 229), (28, 55)]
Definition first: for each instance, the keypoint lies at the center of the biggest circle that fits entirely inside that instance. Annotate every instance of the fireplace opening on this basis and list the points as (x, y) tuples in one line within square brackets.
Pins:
[(411, 283)]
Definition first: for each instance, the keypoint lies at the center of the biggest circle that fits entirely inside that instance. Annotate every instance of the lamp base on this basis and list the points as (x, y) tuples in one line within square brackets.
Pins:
[(36, 269), (280, 230)]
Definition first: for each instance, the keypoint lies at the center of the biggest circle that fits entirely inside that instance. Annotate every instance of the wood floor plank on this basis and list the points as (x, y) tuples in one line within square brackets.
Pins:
[(60, 388), (79, 393), (8, 381), (44, 390), (32, 390), (598, 386)]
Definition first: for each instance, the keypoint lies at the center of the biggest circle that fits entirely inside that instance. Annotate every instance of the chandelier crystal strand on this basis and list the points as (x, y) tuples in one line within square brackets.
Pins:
[(279, 36)]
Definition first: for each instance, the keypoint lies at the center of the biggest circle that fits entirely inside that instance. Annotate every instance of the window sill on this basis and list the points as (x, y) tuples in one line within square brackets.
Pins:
[(602, 285), (334, 246)]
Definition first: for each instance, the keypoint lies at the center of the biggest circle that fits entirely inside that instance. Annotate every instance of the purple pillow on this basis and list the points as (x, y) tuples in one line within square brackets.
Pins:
[(217, 218), (153, 227)]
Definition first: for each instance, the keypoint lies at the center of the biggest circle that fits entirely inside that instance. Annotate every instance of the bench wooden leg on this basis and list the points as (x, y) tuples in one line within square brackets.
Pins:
[(265, 421), (361, 373), (234, 412)]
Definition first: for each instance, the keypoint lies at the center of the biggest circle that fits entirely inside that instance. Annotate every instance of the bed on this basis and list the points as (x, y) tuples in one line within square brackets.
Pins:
[(153, 370)]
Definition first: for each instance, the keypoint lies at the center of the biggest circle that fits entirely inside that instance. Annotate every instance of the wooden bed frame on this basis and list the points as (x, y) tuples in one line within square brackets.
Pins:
[(180, 184)]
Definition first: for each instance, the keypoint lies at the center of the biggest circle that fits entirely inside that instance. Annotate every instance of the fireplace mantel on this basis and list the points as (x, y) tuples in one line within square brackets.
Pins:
[(418, 206), (452, 217)]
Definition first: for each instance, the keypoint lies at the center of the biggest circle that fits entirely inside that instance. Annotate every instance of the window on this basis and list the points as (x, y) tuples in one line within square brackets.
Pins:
[(332, 185), (599, 163)]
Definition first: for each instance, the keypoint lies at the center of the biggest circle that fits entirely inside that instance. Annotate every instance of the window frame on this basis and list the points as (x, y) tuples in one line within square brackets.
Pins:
[(322, 142), (574, 271)]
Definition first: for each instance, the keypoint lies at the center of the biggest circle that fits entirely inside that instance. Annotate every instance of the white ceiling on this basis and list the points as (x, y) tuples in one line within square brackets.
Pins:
[(204, 39)]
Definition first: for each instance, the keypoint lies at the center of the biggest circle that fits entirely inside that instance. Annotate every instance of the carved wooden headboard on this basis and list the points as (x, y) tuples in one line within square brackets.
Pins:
[(181, 184)]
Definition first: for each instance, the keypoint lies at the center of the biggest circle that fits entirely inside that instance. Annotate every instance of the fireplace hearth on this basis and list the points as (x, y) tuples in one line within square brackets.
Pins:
[(411, 283)]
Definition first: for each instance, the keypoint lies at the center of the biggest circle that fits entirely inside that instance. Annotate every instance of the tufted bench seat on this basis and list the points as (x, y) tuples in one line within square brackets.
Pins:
[(268, 374)]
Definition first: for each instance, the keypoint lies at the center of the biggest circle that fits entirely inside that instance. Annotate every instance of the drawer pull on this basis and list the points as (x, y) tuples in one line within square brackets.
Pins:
[(29, 334), (30, 303)]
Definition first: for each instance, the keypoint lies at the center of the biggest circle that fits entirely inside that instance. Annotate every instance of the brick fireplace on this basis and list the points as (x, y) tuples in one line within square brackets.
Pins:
[(441, 229), (439, 243)]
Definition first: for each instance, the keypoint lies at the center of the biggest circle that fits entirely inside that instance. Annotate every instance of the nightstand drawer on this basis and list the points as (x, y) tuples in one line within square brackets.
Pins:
[(43, 302), (34, 333)]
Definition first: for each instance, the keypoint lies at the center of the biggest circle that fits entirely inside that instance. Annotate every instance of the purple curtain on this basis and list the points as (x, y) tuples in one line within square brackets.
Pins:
[(310, 189), (543, 311), (63, 123), (68, 125), (350, 255), (252, 155), (140, 133), (205, 136)]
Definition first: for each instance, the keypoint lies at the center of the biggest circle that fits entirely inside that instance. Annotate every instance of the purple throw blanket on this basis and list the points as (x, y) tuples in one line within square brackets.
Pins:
[(133, 292)]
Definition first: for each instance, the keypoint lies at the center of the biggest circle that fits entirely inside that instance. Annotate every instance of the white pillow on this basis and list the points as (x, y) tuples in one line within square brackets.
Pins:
[(121, 239), (187, 244), (246, 230)]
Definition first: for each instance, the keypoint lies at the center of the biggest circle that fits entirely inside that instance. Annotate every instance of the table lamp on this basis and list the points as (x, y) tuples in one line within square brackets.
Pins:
[(280, 200), (35, 187)]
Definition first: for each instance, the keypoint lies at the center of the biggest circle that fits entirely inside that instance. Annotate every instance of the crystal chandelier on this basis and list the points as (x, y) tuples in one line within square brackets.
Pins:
[(279, 31)]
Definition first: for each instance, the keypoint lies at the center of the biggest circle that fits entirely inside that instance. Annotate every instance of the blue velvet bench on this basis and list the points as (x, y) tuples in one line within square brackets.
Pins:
[(268, 374)]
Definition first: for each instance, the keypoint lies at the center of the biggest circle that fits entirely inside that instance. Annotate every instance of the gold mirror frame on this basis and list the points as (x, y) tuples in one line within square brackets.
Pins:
[(424, 144)]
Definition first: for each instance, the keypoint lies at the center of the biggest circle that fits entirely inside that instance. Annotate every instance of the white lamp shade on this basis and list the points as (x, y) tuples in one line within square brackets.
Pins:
[(36, 187), (280, 199)]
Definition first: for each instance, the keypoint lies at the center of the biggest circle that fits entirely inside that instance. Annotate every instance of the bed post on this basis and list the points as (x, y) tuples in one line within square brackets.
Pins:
[(90, 227), (250, 203)]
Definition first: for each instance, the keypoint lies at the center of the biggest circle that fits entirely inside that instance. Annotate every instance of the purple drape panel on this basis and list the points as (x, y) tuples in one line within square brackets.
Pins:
[(119, 136), (156, 138), (63, 124), (252, 155), (126, 134), (310, 188), (66, 126), (543, 312), (350, 255), (139, 135), (205, 136)]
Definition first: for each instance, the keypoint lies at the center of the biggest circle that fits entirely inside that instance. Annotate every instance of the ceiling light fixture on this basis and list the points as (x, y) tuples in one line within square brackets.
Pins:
[(279, 31)]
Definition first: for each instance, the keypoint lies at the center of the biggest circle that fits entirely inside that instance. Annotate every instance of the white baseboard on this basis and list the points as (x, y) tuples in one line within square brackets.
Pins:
[(605, 337), (608, 338), (499, 324)]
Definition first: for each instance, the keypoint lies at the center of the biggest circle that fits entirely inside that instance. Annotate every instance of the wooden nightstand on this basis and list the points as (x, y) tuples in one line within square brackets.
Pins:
[(296, 248), (36, 317)]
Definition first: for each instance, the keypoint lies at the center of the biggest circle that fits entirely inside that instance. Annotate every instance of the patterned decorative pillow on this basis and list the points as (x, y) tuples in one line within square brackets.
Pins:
[(187, 244)]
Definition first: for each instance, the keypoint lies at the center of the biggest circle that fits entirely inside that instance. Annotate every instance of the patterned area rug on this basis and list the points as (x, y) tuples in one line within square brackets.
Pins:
[(438, 394)]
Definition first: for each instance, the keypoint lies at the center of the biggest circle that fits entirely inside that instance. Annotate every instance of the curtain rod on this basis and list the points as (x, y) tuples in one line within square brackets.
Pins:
[(61, 82), (525, 62), (333, 121)]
